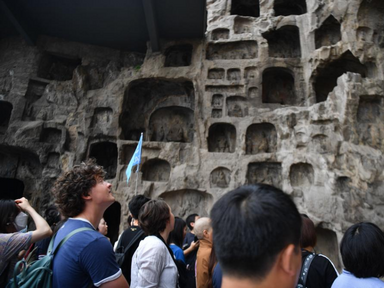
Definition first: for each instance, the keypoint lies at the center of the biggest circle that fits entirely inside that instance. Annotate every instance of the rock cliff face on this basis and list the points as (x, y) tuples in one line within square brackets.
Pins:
[(288, 93)]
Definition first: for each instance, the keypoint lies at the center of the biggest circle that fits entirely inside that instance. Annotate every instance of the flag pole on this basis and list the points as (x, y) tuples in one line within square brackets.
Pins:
[(137, 171)]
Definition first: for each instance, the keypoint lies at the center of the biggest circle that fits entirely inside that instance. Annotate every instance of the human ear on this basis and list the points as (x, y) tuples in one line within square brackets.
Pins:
[(290, 260)]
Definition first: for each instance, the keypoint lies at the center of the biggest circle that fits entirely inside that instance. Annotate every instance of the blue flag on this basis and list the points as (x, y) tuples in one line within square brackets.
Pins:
[(136, 158)]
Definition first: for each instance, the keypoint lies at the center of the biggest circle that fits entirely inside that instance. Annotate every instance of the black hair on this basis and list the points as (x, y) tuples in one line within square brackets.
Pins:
[(308, 233), (191, 218), (136, 203), (8, 213), (177, 234), (52, 215), (260, 221), (362, 250)]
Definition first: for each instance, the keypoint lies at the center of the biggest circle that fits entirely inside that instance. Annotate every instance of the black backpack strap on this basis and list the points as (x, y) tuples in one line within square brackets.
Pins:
[(133, 241), (304, 269)]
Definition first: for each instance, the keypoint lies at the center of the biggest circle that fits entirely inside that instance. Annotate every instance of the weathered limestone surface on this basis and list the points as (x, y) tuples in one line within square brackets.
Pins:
[(288, 93)]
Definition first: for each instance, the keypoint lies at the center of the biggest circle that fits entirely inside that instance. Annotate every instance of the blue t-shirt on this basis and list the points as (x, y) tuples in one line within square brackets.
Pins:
[(87, 256), (178, 252), (217, 277), (348, 280)]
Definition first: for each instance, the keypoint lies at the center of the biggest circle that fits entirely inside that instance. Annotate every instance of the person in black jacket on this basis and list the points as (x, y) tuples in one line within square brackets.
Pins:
[(322, 272)]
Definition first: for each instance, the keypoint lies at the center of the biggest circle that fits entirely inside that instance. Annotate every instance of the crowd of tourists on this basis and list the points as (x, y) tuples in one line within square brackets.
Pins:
[(253, 237)]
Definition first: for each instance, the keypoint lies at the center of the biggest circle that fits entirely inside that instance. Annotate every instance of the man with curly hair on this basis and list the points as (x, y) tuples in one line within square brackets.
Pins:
[(82, 196)]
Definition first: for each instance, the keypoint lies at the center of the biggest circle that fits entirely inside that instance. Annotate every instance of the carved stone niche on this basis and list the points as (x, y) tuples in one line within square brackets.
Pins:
[(329, 33), (242, 25), (237, 106), (171, 124), (301, 175), (278, 86), (34, 92), (217, 113), (216, 74), (261, 138), (156, 170), (253, 92), (232, 50), (233, 74), (217, 101), (265, 173), (57, 67), (327, 244), (178, 55), (50, 135), (321, 144), (144, 96), (220, 34), (53, 160), (105, 154), (102, 117), (353, 199), (326, 76), (370, 117), (284, 42), (11, 188), (364, 34), (250, 73), (222, 138), (371, 15), (5, 115), (245, 8), (290, 7), (220, 178), (186, 202)]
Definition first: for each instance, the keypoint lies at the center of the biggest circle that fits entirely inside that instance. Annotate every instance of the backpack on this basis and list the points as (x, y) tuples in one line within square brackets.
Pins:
[(121, 251), (304, 270), (39, 273)]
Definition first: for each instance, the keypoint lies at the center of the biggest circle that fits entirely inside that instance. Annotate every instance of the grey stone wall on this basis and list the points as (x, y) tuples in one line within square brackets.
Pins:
[(288, 93)]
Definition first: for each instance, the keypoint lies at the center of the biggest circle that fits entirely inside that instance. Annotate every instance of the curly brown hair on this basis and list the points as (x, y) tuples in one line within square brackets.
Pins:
[(70, 188), (153, 216)]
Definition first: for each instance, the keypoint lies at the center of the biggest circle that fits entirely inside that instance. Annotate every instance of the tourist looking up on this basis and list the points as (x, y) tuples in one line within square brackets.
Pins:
[(203, 232), (12, 221), (176, 237), (362, 251), (322, 272), (133, 233), (256, 231), (153, 264), (190, 246), (82, 195)]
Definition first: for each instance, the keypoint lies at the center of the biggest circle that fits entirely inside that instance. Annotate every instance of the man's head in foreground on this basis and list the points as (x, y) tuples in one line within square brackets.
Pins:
[(256, 231)]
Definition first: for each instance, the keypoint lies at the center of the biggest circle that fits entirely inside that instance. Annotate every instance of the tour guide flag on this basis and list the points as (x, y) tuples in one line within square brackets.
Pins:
[(136, 158)]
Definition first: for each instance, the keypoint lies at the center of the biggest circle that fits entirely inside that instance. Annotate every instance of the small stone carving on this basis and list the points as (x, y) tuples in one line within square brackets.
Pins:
[(284, 42), (156, 170), (278, 86), (178, 55), (234, 75), (261, 138), (220, 177), (216, 74), (217, 100), (58, 68), (220, 34), (301, 175), (265, 172), (232, 50), (216, 113)]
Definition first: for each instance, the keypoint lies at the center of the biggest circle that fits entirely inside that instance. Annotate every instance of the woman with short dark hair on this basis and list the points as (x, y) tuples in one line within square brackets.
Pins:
[(362, 251), (153, 264), (321, 272)]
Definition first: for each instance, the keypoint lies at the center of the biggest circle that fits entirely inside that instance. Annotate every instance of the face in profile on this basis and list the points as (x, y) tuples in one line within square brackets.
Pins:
[(103, 227)]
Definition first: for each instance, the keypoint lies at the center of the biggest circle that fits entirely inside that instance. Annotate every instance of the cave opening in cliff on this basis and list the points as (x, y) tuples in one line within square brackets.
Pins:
[(178, 55), (329, 33), (105, 154), (156, 170), (278, 86), (284, 42), (5, 115), (290, 7), (11, 188), (261, 138), (222, 138), (245, 8), (57, 67)]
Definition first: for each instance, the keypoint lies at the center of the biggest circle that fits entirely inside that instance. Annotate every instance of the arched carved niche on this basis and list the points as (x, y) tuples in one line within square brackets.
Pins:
[(265, 172), (5, 115), (321, 143), (250, 73), (217, 113), (222, 138), (102, 117), (301, 175), (279, 86), (237, 106), (50, 135), (284, 42), (370, 119), (57, 67), (370, 16), (156, 170), (232, 50), (216, 74), (220, 178), (217, 101), (329, 33), (261, 138), (327, 244), (245, 8), (34, 92), (105, 154), (112, 216), (171, 124), (220, 34), (186, 202), (326, 79), (234, 74), (144, 96), (290, 7), (178, 55), (11, 188), (242, 25)]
